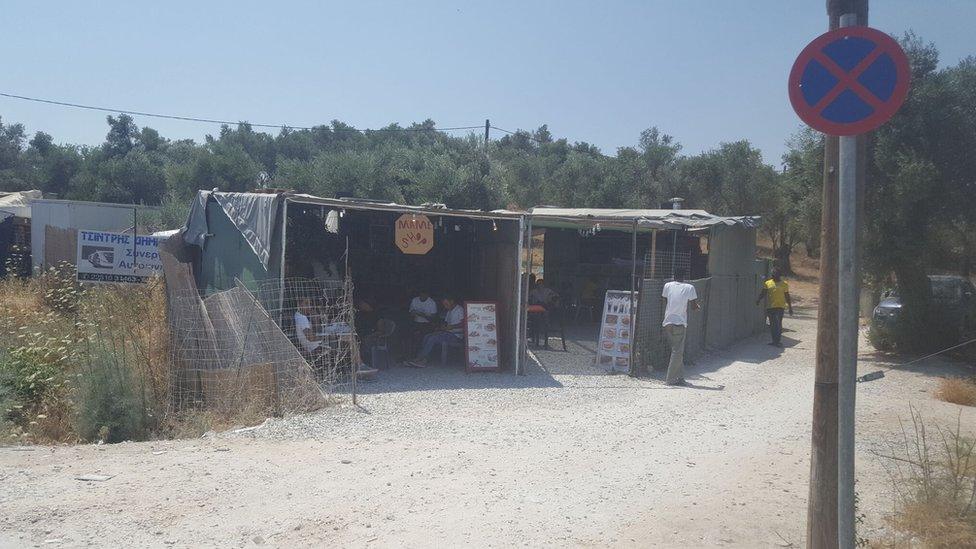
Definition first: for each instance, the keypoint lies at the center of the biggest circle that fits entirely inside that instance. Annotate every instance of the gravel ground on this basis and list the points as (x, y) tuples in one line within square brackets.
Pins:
[(440, 457)]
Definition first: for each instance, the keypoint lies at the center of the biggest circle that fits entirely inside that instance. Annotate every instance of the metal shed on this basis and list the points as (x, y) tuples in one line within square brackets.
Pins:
[(55, 225), (727, 279)]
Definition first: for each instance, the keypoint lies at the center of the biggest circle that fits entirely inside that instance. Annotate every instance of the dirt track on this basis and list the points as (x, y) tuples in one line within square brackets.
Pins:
[(483, 460)]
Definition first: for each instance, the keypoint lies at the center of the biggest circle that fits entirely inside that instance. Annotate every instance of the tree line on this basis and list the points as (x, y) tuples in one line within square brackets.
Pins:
[(920, 207)]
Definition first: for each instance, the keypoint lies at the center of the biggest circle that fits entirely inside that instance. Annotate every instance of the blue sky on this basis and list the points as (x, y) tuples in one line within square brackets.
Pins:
[(600, 72)]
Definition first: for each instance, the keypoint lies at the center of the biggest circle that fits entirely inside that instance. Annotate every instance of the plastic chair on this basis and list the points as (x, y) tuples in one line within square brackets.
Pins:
[(381, 356), (458, 343)]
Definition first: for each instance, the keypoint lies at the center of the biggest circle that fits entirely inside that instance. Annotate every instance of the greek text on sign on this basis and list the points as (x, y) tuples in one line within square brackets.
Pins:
[(414, 234), (849, 81), (117, 257)]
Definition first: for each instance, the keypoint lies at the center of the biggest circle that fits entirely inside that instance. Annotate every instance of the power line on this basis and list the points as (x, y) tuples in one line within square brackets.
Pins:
[(529, 136), (222, 122), (264, 125)]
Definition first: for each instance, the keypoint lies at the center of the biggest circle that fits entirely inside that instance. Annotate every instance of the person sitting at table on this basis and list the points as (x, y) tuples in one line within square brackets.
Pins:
[(366, 315), (541, 300), (308, 339), (423, 309), (540, 294), (423, 314), (449, 332)]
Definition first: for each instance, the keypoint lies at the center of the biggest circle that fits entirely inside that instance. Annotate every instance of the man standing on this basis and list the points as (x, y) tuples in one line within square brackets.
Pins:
[(777, 294), (677, 294)]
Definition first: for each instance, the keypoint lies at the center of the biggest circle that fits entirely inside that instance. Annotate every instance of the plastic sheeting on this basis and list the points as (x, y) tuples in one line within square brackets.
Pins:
[(254, 214), (17, 204)]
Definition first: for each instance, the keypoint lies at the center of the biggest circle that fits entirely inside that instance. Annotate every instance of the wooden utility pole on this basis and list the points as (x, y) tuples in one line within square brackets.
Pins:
[(822, 504)]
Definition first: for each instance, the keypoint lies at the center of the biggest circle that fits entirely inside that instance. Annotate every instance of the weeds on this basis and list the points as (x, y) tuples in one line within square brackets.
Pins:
[(82, 363), (934, 478), (957, 391)]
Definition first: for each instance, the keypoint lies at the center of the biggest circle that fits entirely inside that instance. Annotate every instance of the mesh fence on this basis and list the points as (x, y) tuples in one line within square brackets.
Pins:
[(728, 313), (328, 306), (651, 349), (663, 264), (237, 352)]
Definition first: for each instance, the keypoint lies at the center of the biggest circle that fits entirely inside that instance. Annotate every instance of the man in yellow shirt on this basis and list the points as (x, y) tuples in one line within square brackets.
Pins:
[(777, 294)]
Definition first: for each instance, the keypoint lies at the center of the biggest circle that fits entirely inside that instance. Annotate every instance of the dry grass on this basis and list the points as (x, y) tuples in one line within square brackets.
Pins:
[(57, 338), (94, 363), (934, 478), (957, 390)]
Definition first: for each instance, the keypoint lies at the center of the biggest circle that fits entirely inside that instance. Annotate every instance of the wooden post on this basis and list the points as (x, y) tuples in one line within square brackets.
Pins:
[(653, 253)]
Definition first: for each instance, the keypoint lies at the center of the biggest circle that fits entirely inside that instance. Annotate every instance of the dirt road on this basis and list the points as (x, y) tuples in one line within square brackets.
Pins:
[(442, 458)]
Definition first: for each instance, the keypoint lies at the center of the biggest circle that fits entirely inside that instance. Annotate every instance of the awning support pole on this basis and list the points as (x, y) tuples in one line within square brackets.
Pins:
[(518, 296), (653, 253), (281, 288), (524, 304), (633, 294)]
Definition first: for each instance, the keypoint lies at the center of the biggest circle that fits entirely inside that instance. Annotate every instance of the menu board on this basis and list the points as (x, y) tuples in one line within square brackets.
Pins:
[(616, 335), (481, 336)]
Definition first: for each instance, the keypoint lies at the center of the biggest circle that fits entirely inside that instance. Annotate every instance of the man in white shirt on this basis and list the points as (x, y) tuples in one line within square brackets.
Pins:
[(304, 331), (451, 333), (423, 308), (677, 294)]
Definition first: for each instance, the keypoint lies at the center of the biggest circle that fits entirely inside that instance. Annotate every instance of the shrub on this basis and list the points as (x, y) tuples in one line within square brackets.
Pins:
[(30, 373), (957, 391), (62, 291), (108, 407), (880, 337), (935, 485), (34, 394)]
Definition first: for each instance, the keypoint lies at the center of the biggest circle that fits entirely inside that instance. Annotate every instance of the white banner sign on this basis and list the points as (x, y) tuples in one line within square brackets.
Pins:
[(117, 257), (613, 352), (481, 336)]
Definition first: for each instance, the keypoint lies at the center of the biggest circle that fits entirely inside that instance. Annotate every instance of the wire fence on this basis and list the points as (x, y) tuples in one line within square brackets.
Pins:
[(727, 314), (651, 349), (237, 351), (663, 264), (326, 308)]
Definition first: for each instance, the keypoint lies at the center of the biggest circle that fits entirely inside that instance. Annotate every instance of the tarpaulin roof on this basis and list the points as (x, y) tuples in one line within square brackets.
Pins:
[(17, 204)]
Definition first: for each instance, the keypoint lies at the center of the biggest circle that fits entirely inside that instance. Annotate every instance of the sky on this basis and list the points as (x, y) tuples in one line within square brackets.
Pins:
[(705, 72)]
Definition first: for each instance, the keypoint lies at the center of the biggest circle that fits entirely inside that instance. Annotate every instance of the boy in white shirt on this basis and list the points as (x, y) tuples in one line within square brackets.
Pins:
[(678, 294)]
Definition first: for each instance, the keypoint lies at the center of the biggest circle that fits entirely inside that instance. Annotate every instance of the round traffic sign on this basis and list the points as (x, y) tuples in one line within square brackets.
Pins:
[(849, 81)]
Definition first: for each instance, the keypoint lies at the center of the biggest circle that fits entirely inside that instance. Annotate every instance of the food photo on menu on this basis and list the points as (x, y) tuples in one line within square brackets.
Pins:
[(482, 341)]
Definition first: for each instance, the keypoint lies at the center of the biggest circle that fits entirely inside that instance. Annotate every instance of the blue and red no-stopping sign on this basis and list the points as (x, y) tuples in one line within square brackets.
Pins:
[(849, 81)]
